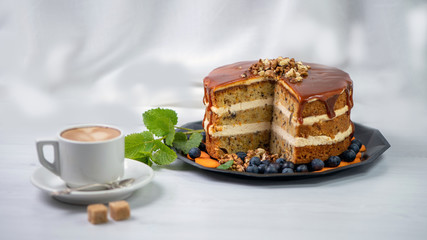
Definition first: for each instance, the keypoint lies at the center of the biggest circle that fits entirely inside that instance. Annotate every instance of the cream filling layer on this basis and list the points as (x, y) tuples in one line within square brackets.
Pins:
[(311, 119), (242, 106), (311, 140), (232, 130)]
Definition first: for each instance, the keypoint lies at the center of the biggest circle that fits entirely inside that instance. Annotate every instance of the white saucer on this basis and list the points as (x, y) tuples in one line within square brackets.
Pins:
[(49, 182)]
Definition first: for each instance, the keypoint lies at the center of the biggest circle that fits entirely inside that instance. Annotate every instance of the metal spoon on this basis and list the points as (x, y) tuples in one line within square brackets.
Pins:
[(97, 186)]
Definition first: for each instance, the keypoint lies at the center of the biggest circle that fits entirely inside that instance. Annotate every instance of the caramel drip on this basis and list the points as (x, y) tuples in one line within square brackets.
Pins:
[(207, 99), (323, 83)]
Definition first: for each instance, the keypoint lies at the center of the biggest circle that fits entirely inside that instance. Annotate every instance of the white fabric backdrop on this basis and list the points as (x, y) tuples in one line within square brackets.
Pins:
[(72, 57)]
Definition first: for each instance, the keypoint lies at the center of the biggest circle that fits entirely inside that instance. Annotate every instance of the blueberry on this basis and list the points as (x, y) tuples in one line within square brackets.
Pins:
[(302, 168), (289, 164), (202, 147), (358, 142), (277, 166), (252, 169), (333, 161), (271, 169), (266, 162), (241, 155), (262, 167), (316, 164), (280, 161), (204, 137), (255, 161), (287, 170), (354, 147), (194, 153), (348, 155)]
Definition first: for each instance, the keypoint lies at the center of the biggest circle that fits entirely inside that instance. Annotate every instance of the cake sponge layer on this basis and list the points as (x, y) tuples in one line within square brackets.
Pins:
[(252, 115), (243, 93), (221, 145)]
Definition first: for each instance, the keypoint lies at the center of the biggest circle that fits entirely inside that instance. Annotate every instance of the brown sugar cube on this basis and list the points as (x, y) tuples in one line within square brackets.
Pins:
[(97, 213), (119, 210)]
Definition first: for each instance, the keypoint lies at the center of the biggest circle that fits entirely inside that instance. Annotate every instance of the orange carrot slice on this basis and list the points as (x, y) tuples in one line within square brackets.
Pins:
[(207, 162), (353, 138), (359, 155), (204, 155), (362, 148)]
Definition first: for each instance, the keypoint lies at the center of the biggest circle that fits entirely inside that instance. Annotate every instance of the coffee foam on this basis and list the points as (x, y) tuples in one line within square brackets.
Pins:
[(90, 134)]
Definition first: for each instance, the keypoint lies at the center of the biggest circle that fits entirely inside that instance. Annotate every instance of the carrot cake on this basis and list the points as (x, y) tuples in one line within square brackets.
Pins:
[(300, 111)]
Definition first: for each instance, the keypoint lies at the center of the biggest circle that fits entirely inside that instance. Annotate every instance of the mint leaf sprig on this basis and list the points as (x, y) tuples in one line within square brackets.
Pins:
[(226, 165), (161, 123)]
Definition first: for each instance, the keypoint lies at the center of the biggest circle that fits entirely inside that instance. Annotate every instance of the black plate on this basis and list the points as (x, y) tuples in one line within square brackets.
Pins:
[(375, 143)]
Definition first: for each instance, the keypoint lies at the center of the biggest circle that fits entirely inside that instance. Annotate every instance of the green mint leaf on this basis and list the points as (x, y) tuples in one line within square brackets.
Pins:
[(170, 136), (160, 121), (137, 143), (168, 113), (194, 141), (164, 155), (226, 165), (145, 159), (181, 143)]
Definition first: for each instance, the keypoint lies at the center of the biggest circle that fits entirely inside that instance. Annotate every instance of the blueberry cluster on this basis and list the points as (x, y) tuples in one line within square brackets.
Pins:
[(283, 166), (265, 166), (334, 161), (350, 154)]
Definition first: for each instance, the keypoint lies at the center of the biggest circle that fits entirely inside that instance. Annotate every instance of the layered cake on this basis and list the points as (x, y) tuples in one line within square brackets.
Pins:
[(297, 110)]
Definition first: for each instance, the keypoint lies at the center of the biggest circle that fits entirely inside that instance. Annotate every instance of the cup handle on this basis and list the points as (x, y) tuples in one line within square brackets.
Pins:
[(54, 166)]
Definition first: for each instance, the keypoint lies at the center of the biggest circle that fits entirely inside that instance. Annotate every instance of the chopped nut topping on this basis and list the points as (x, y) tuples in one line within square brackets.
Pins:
[(269, 73), (280, 68), (240, 166), (237, 164), (290, 73), (260, 151)]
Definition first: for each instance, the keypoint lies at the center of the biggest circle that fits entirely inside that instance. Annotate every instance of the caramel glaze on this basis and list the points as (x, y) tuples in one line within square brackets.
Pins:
[(323, 83)]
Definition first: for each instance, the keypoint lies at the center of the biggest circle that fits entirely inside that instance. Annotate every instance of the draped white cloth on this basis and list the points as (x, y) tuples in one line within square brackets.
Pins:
[(55, 54)]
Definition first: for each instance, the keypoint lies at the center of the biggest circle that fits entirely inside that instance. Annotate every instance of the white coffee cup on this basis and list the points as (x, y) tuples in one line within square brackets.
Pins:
[(86, 154)]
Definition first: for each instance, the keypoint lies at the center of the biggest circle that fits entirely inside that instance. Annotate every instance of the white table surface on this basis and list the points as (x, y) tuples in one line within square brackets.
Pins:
[(385, 200)]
